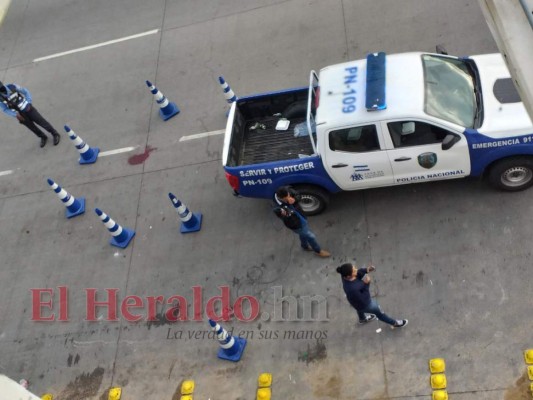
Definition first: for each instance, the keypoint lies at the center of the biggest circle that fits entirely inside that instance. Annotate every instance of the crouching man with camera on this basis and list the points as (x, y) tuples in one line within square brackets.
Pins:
[(292, 215)]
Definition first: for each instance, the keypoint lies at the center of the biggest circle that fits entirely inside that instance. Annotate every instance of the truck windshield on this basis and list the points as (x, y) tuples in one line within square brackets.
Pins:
[(449, 90)]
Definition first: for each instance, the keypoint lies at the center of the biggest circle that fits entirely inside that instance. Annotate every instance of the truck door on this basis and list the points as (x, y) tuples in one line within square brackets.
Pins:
[(419, 154), (355, 158)]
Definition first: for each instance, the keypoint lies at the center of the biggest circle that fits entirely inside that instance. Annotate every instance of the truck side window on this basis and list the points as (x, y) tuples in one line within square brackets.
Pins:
[(415, 133), (358, 139)]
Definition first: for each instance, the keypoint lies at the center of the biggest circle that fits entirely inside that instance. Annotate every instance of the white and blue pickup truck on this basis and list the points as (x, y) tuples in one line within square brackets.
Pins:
[(382, 121)]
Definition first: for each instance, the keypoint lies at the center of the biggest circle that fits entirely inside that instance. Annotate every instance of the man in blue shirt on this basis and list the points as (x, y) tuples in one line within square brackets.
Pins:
[(16, 101), (356, 285), (292, 215)]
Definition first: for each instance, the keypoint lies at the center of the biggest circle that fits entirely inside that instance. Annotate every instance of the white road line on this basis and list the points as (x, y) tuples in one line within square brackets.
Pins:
[(201, 135), (116, 151), (2, 173), (94, 46)]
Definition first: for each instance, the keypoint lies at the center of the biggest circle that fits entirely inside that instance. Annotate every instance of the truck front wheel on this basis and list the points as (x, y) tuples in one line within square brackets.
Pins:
[(313, 200), (512, 174)]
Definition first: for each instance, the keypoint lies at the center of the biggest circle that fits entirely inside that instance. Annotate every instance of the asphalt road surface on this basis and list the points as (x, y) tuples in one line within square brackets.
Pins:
[(452, 257)]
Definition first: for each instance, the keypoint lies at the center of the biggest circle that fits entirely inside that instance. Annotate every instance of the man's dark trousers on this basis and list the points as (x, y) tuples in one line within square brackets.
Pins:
[(33, 117)]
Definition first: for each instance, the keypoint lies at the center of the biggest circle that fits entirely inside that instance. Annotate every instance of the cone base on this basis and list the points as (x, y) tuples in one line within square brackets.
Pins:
[(92, 159), (124, 243), (169, 111), (240, 343), (196, 227), (81, 210)]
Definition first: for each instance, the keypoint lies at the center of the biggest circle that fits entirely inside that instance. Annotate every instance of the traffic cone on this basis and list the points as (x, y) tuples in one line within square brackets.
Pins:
[(228, 93), (190, 222), (167, 108), (88, 155), (121, 236), (74, 206), (231, 347)]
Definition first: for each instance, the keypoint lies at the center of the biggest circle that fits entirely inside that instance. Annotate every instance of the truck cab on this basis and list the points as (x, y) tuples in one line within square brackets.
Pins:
[(396, 142)]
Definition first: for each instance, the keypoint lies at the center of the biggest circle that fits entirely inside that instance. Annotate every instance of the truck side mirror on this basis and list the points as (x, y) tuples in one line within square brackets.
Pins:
[(449, 141), (440, 49)]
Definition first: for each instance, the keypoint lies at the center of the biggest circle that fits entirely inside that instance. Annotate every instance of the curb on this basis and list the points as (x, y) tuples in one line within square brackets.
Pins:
[(4, 6)]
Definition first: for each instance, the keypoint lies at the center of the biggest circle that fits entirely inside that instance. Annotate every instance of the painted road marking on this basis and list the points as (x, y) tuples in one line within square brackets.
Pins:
[(131, 148), (94, 46), (102, 154), (117, 151), (202, 135)]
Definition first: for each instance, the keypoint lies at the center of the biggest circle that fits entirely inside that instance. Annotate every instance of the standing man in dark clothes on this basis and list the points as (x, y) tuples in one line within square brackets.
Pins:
[(15, 101), (356, 285), (292, 215)]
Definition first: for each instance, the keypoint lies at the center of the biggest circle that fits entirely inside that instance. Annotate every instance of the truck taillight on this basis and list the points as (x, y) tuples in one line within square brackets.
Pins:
[(317, 97), (233, 181)]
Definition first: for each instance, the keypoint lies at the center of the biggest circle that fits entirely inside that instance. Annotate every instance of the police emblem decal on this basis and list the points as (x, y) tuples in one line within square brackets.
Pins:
[(427, 160)]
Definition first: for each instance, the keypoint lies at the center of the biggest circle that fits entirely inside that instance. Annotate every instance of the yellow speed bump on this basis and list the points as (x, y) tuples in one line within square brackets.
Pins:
[(439, 395), (264, 380), (438, 381), (47, 396), (530, 372), (114, 393), (264, 394), (186, 397), (528, 356), (437, 365), (187, 387)]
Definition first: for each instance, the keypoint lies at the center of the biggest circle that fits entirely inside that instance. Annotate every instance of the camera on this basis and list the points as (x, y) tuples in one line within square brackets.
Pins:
[(288, 211)]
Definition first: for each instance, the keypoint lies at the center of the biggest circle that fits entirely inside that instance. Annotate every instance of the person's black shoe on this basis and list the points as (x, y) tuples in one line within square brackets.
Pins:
[(400, 323), (43, 141), (57, 138), (368, 318)]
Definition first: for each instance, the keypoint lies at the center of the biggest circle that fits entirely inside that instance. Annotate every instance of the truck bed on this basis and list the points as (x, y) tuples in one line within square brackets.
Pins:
[(260, 146), (255, 146)]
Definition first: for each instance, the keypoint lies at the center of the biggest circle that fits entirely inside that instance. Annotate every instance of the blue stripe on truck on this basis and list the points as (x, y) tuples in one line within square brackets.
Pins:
[(262, 180)]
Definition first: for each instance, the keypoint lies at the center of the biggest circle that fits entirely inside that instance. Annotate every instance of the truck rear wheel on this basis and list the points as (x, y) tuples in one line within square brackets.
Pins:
[(314, 200), (512, 174)]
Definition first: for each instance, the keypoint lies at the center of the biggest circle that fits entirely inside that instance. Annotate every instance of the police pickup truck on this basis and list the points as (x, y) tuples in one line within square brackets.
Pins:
[(382, 121)]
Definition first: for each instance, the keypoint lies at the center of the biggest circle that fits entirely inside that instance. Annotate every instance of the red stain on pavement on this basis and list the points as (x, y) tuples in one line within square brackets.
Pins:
[(140, 158)]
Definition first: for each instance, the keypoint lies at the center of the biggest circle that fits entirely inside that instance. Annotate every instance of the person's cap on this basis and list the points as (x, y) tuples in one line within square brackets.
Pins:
[(345, 269)]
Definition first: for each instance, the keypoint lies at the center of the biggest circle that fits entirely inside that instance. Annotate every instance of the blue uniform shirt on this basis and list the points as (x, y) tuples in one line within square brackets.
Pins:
[(22, 90)]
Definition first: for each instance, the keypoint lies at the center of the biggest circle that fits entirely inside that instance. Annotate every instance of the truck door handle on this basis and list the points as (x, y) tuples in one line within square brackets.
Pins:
[(402, 159), (339, 165)]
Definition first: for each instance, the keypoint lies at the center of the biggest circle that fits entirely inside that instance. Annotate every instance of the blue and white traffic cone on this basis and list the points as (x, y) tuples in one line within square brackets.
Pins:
[(74, 206), (88, 155), (190, 222), (167, 108), (228, 93), (231, 347), (121, 236)]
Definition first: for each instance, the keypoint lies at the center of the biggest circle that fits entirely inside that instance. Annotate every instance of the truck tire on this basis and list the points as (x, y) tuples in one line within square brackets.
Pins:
[(313, 199), (512, 174), (297, 109)]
